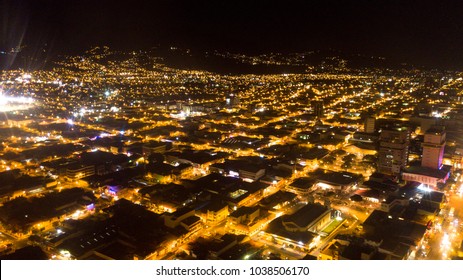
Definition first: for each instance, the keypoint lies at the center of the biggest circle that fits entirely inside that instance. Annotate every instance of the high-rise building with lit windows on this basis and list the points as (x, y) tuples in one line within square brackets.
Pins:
[(432, 172), (433, 147), (393, 150), (369, 125), (317, 107)]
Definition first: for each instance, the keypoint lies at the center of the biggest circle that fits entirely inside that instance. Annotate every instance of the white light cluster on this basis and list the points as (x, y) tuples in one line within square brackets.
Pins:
[(11, 103)]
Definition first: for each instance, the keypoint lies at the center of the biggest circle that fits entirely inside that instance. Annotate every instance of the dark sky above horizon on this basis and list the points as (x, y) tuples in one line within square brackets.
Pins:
[(415, 31)]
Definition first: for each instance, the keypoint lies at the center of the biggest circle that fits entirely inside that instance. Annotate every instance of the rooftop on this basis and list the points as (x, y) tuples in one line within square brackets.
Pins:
[(436, 130), (244, 211), (306, 215), (276, 228), (431, 172), (339, 178)]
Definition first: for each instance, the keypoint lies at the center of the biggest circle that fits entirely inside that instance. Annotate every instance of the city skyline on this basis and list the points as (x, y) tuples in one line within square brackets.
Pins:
[(331, 163), (194, 130)]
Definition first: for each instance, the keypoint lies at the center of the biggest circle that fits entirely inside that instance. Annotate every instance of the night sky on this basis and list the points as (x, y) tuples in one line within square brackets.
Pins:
[(421, 32)]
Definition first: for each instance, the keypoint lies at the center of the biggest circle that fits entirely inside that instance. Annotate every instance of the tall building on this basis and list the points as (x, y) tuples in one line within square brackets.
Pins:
[(317, 106), (432, 172), (393, 150), (369, 125), (433, 147)]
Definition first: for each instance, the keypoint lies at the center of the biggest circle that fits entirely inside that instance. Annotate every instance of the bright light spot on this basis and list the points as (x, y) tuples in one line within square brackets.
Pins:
[(424, 188), (233, 174), (315, 241), (445, 240), (70, 122), (437, 114), (65, 253), (11, 103), (323, 186), (76, 214)]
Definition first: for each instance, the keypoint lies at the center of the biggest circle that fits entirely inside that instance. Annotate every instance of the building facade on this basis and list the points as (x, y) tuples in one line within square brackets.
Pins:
[(433, 148), (393, 150), (318, 108), (369, 125)]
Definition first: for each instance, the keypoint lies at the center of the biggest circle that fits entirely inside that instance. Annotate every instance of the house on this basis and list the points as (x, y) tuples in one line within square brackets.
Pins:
[(214, 212)]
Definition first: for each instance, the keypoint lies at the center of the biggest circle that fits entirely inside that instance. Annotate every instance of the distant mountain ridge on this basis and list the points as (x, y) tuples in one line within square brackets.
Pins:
[(222, 62)]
